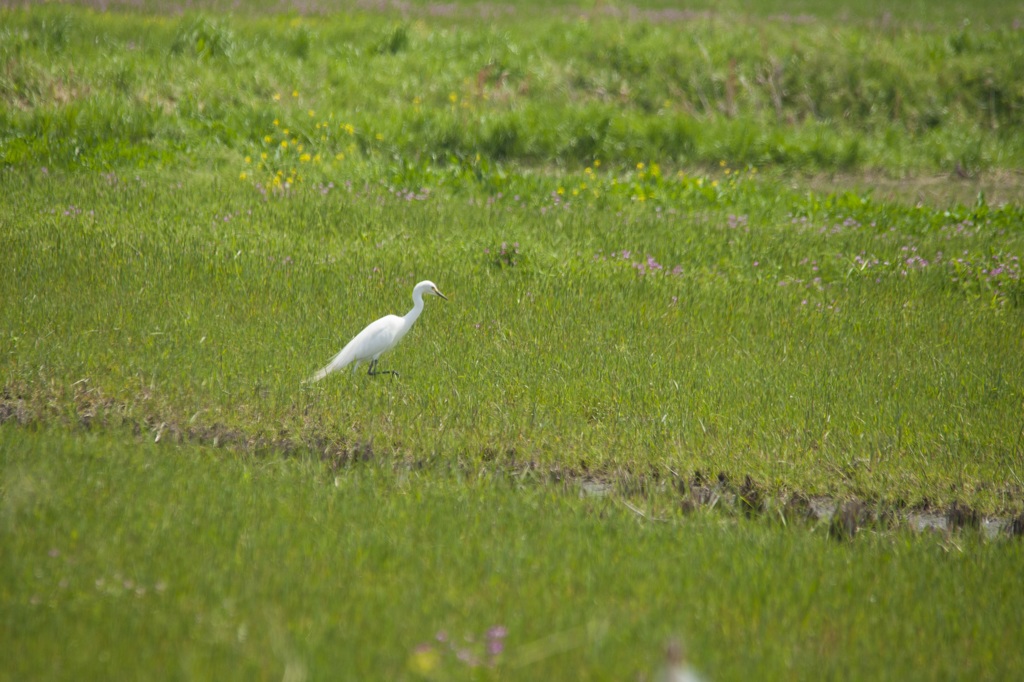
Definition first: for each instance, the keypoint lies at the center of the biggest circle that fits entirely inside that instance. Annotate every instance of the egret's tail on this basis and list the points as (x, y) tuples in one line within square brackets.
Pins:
[(320, 374), (339, 361)]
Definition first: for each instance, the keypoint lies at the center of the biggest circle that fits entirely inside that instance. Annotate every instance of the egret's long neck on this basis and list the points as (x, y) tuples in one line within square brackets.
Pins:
[(417, 308)]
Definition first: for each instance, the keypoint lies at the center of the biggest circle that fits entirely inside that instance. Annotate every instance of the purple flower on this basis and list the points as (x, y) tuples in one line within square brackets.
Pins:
[(467, 657)]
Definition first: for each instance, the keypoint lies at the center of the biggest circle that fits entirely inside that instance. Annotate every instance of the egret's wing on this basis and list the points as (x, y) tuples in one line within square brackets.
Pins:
[(376, 338)]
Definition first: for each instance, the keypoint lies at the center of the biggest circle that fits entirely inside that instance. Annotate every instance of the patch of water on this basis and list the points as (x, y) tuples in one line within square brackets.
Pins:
[(922, 521), (592, 488)]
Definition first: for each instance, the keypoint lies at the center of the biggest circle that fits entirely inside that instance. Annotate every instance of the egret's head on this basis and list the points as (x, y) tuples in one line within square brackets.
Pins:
[(428, 287)]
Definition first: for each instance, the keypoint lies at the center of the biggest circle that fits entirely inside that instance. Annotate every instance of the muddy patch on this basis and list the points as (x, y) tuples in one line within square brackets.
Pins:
[(842, 519)]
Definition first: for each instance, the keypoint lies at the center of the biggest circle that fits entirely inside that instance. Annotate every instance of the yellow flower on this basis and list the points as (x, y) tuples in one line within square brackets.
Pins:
[(722, 163), (295, 93), (316, 159), (300, 147), (277, 122), (285, 131), (277, 97), (242, 176), (248, 159), (379, 136), (284, 144), (640, 166), (263, 155), (416, 101), (561, 190), (424, 661), (311, 113), (452, 97), (339, 157), (268, 139), (304, 158), (597, 163), (348, 128)]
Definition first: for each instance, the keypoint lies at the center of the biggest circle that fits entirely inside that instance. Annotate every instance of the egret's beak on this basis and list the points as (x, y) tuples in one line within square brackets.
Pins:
[(438, 293)]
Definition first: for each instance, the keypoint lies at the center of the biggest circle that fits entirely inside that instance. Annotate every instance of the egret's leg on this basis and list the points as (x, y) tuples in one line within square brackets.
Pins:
[(373, 371)]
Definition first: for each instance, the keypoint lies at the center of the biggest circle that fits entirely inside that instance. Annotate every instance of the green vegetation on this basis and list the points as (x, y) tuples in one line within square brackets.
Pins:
[(291, 572), (570, 89), (825, 344), (777, 248)]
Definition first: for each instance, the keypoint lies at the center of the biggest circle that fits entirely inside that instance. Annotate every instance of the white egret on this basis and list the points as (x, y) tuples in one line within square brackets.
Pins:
[(379, 336)]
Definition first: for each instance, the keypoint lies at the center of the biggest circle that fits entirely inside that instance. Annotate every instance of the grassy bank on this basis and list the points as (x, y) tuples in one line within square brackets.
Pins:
[(832, 345), (295, 572), (102, 90)]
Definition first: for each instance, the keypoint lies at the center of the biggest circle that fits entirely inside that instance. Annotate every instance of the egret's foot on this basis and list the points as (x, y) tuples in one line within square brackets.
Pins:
[(373, 371)]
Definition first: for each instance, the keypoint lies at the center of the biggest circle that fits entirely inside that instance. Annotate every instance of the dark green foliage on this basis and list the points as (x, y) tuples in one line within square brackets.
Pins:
[(525, 90), (204, 38)]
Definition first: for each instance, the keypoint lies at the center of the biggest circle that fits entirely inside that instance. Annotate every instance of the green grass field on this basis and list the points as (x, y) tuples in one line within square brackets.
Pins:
[(188, 564), (706, 269)]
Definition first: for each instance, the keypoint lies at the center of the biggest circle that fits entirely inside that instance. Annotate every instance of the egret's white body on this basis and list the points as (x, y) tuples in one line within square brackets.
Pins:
[(379, 336)]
